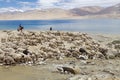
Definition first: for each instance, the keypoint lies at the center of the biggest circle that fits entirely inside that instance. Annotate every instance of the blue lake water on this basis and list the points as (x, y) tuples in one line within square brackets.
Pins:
[(81, 25)]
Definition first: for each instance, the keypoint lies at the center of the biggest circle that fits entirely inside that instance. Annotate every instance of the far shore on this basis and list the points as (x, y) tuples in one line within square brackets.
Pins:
[(64, 18)]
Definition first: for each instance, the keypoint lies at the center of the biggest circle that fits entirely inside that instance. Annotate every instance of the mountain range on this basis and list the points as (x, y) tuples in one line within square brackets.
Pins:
[(57, 13)]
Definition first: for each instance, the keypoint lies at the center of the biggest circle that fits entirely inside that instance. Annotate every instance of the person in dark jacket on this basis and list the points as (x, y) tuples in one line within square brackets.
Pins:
[(50, 28), (20, 28)]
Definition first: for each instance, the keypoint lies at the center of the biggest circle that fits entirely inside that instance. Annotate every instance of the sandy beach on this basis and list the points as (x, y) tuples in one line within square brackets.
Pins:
[(41, 55)]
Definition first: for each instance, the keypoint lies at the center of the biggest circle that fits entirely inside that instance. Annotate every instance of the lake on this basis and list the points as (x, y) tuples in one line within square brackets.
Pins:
[(81, 25)]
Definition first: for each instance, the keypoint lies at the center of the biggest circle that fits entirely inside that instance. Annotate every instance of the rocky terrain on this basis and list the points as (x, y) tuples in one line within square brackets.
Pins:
[(74, 55), (22, 47)]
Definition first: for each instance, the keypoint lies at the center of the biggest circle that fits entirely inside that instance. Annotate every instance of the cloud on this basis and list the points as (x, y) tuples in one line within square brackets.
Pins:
[(95, 2), (10, 9), (27, 5), (7, 0), (47, 4), (75, 3), (17, 5)]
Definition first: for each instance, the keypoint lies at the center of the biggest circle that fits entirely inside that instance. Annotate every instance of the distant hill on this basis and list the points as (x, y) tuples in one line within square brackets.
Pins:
[(57, 13), (111, 10), (37, 14), (89, 10)]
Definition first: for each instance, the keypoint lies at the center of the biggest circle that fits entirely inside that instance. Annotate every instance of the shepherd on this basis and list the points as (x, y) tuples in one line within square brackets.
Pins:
[(20, 28)]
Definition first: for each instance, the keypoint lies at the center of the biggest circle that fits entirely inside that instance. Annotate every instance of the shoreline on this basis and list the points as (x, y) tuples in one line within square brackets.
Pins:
[(74, 18)]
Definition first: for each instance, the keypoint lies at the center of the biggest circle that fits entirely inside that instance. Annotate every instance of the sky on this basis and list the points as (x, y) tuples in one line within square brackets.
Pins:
[(23, 5)]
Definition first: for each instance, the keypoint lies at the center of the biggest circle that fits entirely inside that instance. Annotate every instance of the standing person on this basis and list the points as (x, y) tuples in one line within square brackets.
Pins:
[(20, 28), (50, 28)]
